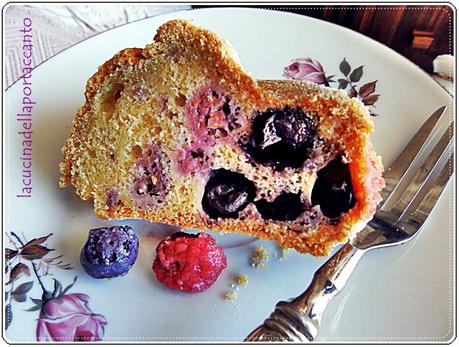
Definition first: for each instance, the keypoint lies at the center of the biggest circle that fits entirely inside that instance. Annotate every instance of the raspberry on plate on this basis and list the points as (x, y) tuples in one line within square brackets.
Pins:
[(190, 263)]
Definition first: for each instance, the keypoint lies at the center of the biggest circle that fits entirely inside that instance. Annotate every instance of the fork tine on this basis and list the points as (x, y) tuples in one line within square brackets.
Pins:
[(399, 169), (422, 207), (435, 160)]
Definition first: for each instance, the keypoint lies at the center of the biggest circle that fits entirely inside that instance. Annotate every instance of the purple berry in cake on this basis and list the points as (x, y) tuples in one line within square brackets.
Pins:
[(109, 251)]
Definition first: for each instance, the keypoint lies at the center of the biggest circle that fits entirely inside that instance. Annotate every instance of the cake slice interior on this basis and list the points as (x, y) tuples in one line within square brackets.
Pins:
[(179, 133)]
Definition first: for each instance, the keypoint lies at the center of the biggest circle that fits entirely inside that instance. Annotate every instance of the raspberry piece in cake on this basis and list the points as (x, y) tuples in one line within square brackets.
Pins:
[(151, 182), (212, 114)]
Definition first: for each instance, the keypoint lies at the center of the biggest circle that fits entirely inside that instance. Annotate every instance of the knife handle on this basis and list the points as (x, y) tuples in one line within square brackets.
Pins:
[(298, 319)]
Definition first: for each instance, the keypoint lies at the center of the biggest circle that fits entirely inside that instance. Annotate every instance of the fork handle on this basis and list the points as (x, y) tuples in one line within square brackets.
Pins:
[(298, 319)]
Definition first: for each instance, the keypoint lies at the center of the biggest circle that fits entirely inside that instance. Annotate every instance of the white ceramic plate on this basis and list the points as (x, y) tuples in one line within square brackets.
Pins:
[(404, 293)]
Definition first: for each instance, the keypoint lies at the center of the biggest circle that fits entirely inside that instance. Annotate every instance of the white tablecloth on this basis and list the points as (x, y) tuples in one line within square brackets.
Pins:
[(56, 27)]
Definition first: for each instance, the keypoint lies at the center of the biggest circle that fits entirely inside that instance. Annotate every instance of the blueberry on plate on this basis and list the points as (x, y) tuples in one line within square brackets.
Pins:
[(109, 251)]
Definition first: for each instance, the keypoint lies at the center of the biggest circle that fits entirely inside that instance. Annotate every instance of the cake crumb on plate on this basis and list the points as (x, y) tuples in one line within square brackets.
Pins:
[(230, 296), (259, 257), (242, 279)]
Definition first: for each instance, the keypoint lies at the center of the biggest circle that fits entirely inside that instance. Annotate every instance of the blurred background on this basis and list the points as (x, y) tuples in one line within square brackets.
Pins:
[(420, 33)]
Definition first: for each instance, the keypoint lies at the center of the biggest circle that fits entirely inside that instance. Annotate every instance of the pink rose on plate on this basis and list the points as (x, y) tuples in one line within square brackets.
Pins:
[(69, 318), (305, 69)]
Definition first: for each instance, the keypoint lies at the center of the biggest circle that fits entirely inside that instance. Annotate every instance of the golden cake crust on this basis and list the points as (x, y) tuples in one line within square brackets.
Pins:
[(352, 132)]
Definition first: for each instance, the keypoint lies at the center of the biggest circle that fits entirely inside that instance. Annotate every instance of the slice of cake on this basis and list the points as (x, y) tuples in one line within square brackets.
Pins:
[(179, 133)]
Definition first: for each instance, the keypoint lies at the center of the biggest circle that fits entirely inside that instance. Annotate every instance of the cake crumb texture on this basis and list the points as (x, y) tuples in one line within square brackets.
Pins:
[(161, 122)]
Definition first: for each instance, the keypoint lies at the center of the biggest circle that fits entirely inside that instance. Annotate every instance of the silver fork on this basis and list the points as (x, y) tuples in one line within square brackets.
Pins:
[(414, 183)]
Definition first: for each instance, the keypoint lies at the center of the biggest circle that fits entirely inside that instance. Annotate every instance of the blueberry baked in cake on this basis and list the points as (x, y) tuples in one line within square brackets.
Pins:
[(179, 133)]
